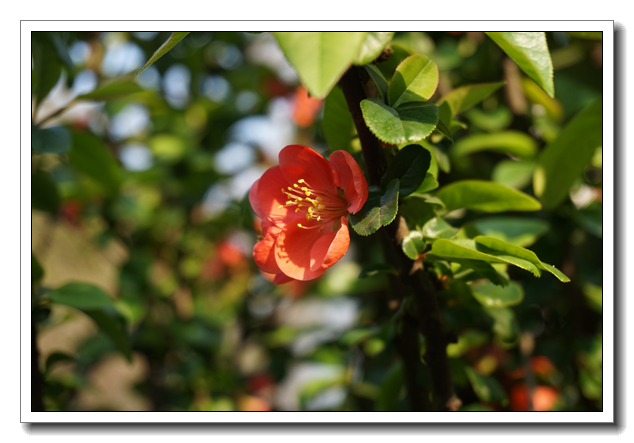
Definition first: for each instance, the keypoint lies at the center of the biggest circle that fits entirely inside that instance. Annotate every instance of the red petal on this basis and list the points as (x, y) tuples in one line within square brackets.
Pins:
[(281, 279), (270, 197), (330, 247), (253, 199), (350, 178), (263, 251), (292, 251), (300, 162)]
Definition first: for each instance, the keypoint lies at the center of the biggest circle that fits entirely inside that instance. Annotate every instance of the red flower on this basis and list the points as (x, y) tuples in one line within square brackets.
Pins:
[(304, 204)]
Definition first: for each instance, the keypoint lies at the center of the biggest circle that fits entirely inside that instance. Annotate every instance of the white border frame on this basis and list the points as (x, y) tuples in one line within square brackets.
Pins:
[(608, 414)]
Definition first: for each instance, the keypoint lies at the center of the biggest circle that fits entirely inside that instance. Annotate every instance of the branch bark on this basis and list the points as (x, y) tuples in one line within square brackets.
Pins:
[(410, 273)]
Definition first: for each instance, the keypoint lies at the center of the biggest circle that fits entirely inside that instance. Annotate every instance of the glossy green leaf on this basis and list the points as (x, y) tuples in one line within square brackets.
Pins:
[(55, 140), (487, 388), (514, 174), (164, 49), (465, 97), (81, 296), (413, 244), (320, 58), (480, 269), (530, 51), (485, 196), (372, 46), (512, 254), (44, 195), (399, 53), (564, 160), (515, 230), (380, 83), (415, 79), (493, 296), (337, 124), (90, 156), (429, 184), (437, 227), (113, 88), (509, 142), (409, 166), (409, 123), (379, 210)]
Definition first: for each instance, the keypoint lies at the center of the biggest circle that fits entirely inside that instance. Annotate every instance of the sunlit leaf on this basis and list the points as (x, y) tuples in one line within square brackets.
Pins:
[(511, 142), (415, 79), (413, 244), (530, 51), (320, 58), (493, 296), (409, 123), (463, 98), (164, 49), (514, 174), (337, 124), (372, 46), (563, 160), (485, 196)]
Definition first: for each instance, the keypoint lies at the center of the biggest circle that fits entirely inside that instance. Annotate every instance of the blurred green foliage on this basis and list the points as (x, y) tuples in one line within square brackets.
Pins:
[(145, 295)]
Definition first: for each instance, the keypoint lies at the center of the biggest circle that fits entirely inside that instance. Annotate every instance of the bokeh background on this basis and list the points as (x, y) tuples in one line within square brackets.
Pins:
[(139, 195)]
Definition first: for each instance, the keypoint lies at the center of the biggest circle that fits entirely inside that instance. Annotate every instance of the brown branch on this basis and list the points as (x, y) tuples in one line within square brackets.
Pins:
[(428, 317)]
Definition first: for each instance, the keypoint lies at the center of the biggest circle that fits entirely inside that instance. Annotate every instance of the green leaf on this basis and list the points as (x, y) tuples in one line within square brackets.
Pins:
[(493, 296), (337, 124), (510, 142), (409, 123), (36, 269), (47, 67), (391, 388), (372, 46), (399, 53), (81, 296), (444, 130), (429, 184), (320, 58), (55, 140), (564, 160), (373, 269), (415, 79), (517, 231), (112, 324), (514, 174), (413, 244), (437, 227), (530, 51), (380, 83), (485, 196), (113, 88), (410, 167), (512, 254), (379, 210), (90, 156), (164, 49), (44, 195), (487, 388), (314, 388), (464, 98)]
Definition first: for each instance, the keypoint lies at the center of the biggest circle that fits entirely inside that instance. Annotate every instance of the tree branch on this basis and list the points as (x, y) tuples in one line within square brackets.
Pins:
[(428, 317)]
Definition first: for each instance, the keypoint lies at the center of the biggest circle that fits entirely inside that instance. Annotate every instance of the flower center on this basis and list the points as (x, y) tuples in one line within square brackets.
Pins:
[(319, 205)]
